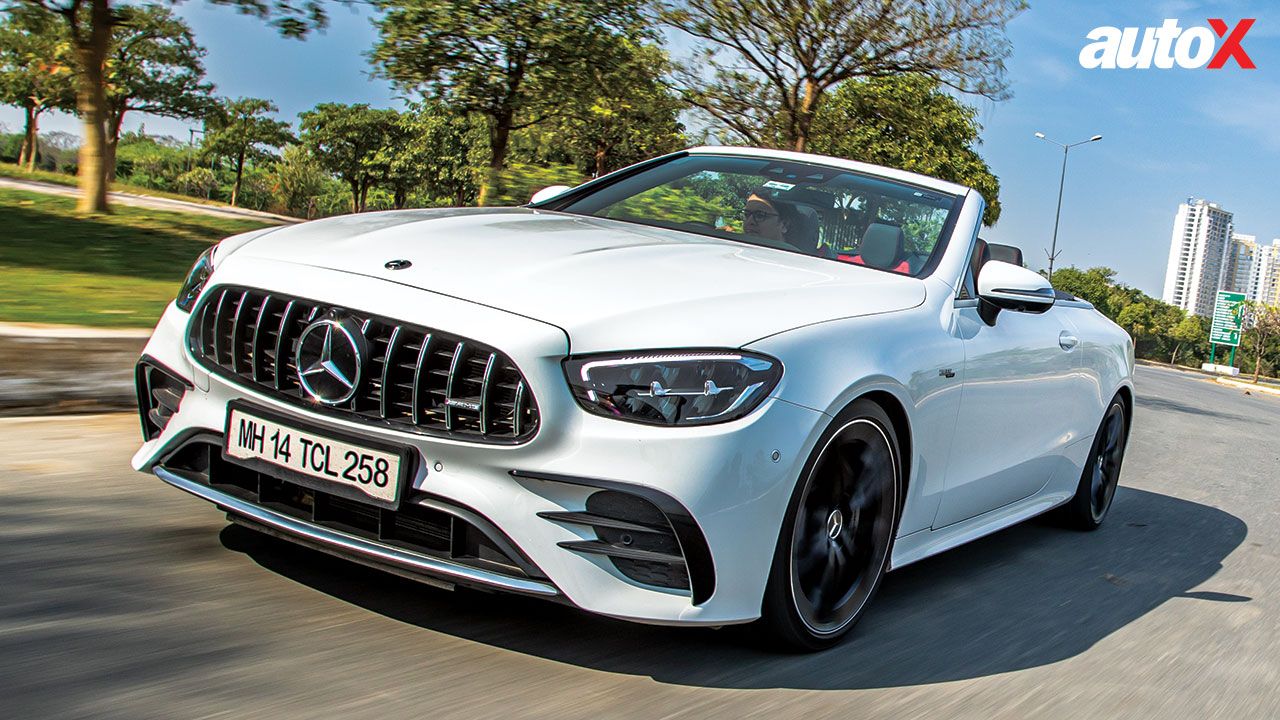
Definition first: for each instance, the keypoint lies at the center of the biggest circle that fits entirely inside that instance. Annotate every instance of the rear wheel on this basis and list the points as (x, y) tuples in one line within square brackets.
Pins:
[(835, 541), (1101, 475)]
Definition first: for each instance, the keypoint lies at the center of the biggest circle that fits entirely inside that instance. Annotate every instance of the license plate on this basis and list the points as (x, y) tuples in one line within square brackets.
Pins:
[(355, 466)]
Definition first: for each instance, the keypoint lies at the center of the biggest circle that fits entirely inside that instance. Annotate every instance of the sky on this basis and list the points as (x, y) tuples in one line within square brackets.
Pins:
[(1167, 134)]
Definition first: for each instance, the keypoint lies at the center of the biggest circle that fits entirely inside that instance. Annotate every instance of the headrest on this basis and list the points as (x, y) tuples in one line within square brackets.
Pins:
[(1004, 253), (802, 230), (980, 256), (882, 246)]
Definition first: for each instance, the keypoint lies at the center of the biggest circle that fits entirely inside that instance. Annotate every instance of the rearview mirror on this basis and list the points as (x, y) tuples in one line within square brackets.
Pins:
[(1003, 286), (547, 193)]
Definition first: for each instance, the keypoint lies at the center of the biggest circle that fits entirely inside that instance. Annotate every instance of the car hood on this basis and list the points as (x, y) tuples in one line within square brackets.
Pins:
[(608, 284)]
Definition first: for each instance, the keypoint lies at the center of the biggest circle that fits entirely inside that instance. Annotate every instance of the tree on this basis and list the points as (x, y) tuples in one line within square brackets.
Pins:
[(907, 122), (1187, 331), (89, 24), (155, 67), (345, 139), (35, 72), (624, 114), (1262, 321), (766, 65), (432, 148), (1136, 318), (1093, 285), (511, 61), (297, 180), (241, 129)]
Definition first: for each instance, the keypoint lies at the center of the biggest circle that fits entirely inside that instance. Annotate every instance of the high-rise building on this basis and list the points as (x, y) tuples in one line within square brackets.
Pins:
[(1264, 281), (1242, 257), (1198, 253), (1252, 268)]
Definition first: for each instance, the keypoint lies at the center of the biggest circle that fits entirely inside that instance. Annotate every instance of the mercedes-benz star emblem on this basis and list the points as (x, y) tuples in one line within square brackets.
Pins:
[(330, 359), (397, 264), (835, 523)]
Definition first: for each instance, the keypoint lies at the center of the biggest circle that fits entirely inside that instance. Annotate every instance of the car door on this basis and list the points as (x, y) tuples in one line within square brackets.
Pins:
[(1015, 420)]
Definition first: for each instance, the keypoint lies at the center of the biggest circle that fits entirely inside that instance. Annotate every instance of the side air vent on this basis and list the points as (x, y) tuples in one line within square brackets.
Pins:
[(160, 393), (647, 535)]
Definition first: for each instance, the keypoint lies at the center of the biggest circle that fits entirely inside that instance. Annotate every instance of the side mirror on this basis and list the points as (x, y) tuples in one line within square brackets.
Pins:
[(547, 193), (1003, 286)]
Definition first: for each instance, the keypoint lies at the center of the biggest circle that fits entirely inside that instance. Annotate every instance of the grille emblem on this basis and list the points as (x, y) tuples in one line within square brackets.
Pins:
[(330, 360), (397, 264)]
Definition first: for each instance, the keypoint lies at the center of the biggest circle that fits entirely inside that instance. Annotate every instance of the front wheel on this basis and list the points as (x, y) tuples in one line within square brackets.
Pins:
[(834, 544), (1101, 475)]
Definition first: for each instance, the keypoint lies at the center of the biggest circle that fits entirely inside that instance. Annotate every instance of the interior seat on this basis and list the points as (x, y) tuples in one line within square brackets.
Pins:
[(883, 247), (802, 231)]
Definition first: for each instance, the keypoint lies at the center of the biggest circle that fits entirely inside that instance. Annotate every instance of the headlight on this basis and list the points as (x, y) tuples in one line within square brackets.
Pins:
[(195, 281), (683, 387)]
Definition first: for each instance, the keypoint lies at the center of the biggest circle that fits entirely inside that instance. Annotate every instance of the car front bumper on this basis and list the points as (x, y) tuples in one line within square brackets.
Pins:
[(733, 481)]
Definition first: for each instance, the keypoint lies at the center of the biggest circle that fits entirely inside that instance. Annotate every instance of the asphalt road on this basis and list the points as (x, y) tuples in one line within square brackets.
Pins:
[(123, 598)]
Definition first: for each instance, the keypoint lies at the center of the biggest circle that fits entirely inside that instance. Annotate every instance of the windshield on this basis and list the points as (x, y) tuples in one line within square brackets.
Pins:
[(801, 207)]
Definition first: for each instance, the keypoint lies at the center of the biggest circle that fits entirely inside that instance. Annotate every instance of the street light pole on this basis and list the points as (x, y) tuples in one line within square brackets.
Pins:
[(1062, 181)]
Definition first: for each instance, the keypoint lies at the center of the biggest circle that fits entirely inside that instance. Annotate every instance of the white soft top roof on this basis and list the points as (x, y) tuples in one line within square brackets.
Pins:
[(867, 168)]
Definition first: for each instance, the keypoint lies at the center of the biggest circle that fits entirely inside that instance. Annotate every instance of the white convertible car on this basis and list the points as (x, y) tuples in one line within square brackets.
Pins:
[(721, 386)]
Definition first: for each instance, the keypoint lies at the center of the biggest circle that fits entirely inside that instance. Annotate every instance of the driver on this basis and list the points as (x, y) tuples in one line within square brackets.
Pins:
[(766, 218)]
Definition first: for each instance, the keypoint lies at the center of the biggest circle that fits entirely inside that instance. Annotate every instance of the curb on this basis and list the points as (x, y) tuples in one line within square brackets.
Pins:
[(1249, 386), (59, 369), (1175, 368)]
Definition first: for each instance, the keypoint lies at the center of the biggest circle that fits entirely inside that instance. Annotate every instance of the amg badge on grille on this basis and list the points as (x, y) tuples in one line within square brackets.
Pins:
[(330, 360)]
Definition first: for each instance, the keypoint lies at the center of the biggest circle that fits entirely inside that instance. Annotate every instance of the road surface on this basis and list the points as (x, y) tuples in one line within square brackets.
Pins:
[(149, 201), (124, 598)]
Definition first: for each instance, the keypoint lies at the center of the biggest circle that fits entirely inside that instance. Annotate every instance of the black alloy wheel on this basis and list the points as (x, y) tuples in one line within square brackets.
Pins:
[(1101, 475), (835, 543)]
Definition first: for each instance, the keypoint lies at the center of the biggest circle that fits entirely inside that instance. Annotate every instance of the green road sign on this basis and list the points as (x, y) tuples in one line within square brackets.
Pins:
[(1228, 318)]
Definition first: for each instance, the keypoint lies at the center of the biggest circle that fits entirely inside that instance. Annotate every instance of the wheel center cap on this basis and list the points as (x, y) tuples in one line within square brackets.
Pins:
[(835, 523)]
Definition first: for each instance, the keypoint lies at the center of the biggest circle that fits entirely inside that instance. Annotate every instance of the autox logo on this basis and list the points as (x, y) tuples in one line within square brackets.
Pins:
[(1164, 47)]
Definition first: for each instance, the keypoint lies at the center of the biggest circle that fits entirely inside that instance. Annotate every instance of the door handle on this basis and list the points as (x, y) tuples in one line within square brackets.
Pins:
[(1067, 341)]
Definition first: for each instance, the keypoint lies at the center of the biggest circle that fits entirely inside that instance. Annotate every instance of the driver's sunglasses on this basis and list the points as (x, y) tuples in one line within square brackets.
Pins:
[(758, 216)]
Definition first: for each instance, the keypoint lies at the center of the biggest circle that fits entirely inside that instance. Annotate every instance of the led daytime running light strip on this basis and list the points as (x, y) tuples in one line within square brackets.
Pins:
[(647, 359)]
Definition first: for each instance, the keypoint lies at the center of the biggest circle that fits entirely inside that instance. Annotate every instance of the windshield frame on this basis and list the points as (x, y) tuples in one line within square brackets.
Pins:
[(581, 192)]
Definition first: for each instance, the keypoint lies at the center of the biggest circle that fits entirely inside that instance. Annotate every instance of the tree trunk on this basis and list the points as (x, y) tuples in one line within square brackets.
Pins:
[(803, 121), (1174, 360), (601, 156), (114, 122), (364, 194), (1257, 359), (499, 138), (235, 189), (30, 137), (355, 195), (401, 198), (91, 102)]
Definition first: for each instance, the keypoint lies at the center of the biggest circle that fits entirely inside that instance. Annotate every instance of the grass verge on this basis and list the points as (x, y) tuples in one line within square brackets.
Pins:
[(117, 270)]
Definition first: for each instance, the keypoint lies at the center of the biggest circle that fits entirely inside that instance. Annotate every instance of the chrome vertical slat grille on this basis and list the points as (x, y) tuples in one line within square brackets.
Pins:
[(415, 378)]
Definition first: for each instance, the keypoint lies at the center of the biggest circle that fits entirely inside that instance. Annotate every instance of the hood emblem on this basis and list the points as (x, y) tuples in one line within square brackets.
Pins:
[(397, 264), (330, 359)]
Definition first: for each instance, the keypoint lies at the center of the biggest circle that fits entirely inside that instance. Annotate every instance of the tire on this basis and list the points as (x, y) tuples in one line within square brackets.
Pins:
[(1092, 501), (834, 545)]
